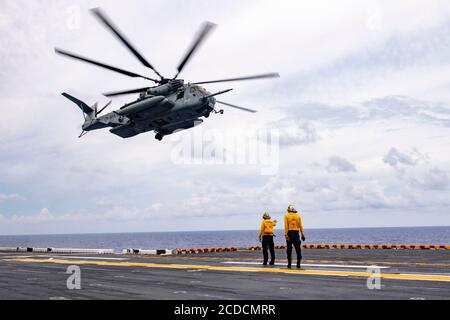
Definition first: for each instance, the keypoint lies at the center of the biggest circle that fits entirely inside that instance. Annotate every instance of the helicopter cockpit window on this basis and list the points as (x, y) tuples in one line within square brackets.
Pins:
[(180, 95)]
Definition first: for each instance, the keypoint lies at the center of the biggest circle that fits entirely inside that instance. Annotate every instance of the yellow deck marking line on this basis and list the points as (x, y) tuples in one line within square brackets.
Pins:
[(423, 264), (419, 277), (437, 264), (430, 264)]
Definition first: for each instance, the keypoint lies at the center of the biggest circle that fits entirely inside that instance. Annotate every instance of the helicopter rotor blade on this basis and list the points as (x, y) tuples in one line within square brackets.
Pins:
[(95, 108), (102, 65), (259, 76), (237, 107), (110, 25), (206, 28), (102, 109), (217, 93), (120, 93)]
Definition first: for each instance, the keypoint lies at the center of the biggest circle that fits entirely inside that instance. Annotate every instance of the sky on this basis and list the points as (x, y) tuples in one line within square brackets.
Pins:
[(354, 133)]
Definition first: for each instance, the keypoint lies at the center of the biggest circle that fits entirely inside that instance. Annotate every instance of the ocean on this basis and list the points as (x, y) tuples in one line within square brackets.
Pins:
[(241, 238)]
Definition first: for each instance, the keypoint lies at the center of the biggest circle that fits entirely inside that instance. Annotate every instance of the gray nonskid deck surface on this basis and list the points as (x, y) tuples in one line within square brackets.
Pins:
[(47, 280)]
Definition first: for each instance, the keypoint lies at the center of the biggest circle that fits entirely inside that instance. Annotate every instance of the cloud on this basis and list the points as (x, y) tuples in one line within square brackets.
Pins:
[(42, 217), (117, 213), (395, 158), (295, 132), (384, 108), (338, 164), (9, 197), (333, 114), (278, 189), (433, 179), (317, 194), (408, 108)]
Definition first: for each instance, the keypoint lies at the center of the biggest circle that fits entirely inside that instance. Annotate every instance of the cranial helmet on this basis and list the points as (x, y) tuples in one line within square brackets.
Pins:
[(266, 215), (291, 209)]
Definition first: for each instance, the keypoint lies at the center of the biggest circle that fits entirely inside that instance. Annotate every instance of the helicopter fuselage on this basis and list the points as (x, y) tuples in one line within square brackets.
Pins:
[(164, 109)]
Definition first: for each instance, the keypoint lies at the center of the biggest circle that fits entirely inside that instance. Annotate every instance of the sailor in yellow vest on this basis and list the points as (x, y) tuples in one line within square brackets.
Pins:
[(292, 228), (266, 237)]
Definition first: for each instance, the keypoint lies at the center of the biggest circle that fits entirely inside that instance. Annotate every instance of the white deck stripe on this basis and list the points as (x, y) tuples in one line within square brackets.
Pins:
[(76, 257)]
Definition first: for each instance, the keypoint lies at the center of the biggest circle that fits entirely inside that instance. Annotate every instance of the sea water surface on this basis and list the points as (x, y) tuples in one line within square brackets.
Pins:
[(242, 238)]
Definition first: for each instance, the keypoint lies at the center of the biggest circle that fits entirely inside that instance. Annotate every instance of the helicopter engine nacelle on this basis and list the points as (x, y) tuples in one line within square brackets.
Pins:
[(142, 105), (166, 89)]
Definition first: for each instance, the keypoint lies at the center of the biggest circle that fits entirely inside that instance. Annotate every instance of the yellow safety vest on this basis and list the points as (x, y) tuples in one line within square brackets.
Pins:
[(292, 221), (267, 227)]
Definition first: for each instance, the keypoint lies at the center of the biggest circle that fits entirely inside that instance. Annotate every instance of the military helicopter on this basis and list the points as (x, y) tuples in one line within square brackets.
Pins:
[(170, 106)]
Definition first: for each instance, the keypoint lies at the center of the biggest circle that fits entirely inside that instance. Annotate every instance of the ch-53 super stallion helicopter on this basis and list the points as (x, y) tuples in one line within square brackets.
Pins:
[(169, 106)]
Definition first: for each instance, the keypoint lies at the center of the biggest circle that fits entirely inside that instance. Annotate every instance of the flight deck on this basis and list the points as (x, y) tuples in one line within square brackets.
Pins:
[(325, 274)]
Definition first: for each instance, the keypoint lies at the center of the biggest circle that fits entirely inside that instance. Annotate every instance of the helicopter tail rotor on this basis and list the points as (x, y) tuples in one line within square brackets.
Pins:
[(83, 106), (97, 113), (89, 113)]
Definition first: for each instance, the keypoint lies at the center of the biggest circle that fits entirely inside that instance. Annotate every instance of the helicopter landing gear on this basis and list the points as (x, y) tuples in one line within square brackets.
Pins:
[(159, 136), (220, 112)]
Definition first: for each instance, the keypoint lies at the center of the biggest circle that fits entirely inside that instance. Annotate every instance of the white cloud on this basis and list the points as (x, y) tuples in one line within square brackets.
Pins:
[(9, 197), (433, 179), (394, 158), (338, 164), (295, 132)]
